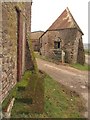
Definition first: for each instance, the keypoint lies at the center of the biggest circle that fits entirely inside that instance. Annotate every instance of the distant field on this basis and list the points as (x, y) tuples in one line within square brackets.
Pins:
[(87, 48)]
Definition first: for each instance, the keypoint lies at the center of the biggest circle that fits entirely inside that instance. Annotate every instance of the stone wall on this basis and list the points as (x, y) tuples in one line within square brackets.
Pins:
[(28, 58), (80, 52), (35, 40), (0, 52), (9, 43), (44, 46), (69, 41), (69, 37), (36, 45)]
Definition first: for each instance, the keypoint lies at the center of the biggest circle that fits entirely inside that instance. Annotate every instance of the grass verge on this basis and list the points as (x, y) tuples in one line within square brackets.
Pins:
[(81, 67), (13, 92), (84, 67), (60, 102), (49, 99)]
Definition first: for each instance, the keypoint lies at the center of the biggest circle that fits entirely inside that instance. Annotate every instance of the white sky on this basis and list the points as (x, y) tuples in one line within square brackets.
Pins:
[(45, 12)]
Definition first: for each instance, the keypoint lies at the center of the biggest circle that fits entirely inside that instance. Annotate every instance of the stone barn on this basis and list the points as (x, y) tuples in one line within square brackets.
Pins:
[(63, 40), (15, 56), (35, 40)]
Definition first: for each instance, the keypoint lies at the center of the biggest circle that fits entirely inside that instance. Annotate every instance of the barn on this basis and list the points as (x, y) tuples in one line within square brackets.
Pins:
[(62, 41)]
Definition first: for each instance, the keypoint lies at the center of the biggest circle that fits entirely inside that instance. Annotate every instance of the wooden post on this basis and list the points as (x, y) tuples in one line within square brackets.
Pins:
[(63, 54)]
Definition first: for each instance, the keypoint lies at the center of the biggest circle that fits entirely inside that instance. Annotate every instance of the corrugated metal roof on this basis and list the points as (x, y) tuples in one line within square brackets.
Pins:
[(65, 20)]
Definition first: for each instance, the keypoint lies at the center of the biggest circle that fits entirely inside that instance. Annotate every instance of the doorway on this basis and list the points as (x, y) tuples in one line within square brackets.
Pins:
[(19, 45)]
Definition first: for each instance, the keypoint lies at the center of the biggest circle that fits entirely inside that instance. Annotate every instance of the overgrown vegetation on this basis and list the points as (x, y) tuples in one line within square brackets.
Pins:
[(30, 99), (46, 98), (32, 54), (84, 67)]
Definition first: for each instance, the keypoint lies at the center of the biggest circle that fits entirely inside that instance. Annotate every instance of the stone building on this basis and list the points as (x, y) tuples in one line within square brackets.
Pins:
[(15, 56), (35, 39), (63, 40)]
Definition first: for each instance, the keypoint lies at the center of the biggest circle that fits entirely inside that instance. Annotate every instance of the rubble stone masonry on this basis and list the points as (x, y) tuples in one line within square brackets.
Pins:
[(9, 44), (70, 42)]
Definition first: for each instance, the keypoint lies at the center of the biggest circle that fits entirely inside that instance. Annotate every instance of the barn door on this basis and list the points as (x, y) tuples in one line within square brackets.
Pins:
[(19, 45)]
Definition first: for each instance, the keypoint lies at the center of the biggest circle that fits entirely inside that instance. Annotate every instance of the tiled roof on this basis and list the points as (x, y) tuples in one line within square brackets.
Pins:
[(65, 20), (36, 34)]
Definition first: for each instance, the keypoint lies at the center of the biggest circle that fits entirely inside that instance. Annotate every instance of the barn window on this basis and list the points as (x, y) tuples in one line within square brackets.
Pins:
[(56, 44)]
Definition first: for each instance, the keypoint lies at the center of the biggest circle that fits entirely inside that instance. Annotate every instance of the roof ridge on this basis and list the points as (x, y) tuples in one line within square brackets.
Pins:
[(65, 20), (73, 20)]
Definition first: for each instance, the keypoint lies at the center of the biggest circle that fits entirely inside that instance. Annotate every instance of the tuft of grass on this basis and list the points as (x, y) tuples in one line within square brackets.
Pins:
[(84, 67), (25, 79)]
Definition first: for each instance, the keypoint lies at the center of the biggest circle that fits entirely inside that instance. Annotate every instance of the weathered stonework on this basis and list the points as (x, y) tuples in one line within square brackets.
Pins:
[(67, 36), (35, 40), (1, 56), (16, 26)]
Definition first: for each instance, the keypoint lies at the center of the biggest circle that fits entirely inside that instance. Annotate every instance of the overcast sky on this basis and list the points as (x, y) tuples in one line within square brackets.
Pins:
[(45, 12)]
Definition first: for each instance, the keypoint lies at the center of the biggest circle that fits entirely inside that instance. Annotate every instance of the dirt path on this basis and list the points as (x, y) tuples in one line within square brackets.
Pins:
[(74, 79)]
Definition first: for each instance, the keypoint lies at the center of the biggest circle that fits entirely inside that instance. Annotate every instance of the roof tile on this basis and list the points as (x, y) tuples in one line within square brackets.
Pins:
[(65, 20)]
